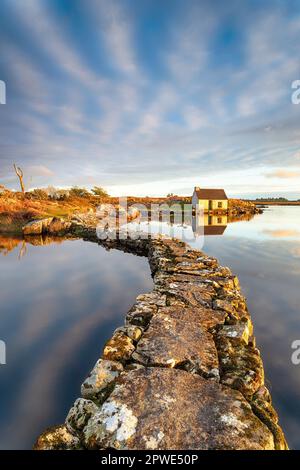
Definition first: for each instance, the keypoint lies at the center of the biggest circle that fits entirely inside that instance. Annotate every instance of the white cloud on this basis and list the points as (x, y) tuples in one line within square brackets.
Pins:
[(283, 174), (204, 111), (115, 29), (190, 43), (194, 117), (39, 170), (50, 35), (270, 64)]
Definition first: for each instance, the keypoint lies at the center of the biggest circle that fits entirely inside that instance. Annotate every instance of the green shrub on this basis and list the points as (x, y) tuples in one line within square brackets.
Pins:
[(39, 194), (99, 191), (79, 192)]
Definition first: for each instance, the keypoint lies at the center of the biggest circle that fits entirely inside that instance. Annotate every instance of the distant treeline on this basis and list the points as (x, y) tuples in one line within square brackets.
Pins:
[(275, 199)]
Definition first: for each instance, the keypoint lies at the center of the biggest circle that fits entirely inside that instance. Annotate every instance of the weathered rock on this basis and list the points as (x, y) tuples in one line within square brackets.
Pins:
[(191, 294), (240, 332), (266, 413), (225, 305), (240, 365), (163, 278), (141, 313), (152, 298), (156, 386), (101, 379), (57, 438), (133, 213), (57, 226), (79, 415), (176, 338), (132, 331), (118, 348), (37, 227), (162, 409), (51, 225), (210, 319), (103, 210)]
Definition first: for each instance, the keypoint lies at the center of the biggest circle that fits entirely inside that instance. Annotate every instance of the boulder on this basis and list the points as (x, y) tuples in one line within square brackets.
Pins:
[(145, 307), (79, 414), (175, 337), (37, 227), (158, 408), (240, 332), (50, 225), (57, 226), (57, 438), (99, 382), (241, 365), (118, 348), (133, 213)]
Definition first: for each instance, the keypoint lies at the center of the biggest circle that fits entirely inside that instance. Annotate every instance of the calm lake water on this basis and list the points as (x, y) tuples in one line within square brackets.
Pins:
[(265, 254), (59, 303)]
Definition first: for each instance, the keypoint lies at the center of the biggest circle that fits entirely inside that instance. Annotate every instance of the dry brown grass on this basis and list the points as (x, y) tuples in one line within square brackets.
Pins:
[(17, 209)]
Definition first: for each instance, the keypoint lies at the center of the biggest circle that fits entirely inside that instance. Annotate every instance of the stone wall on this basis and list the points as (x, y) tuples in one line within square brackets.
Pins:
[(182, 373)]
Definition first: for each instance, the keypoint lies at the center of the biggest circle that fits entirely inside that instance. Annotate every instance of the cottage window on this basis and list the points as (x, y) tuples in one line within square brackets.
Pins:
[(220, 205)]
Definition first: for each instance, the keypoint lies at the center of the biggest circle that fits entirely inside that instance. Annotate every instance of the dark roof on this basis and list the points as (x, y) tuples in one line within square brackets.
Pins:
[(211, 194), (214, 229)]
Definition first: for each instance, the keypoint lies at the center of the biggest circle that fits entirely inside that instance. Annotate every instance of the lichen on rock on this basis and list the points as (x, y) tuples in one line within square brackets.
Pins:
[(171, 409), (175, 338), (79, 414), (57, 438), (100, 381), (183, 372), (119, 348), (111, 427)]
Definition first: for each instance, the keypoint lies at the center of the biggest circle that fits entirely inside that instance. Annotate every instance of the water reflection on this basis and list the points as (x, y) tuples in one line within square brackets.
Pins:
[(59, 301), (264, 252), (269, 272), (20, 244), (7, 244), (213, 225), (190, 228)]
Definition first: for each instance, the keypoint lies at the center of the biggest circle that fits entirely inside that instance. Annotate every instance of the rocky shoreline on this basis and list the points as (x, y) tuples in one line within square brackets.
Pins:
[(238, 207), (183, 372)]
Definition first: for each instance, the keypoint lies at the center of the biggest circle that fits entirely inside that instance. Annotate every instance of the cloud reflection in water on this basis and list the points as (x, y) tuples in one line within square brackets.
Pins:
[(59, 304)]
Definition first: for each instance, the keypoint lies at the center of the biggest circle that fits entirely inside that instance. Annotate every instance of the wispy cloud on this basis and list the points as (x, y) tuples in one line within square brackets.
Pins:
[(149, 93), (283, 174), (115, 27)]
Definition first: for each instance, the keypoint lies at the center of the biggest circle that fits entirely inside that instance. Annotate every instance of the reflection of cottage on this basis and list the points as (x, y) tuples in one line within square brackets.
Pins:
[(209, 224), (209, 199)]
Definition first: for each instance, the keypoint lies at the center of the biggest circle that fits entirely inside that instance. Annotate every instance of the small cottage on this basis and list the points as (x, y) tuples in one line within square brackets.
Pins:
[(209, 199)]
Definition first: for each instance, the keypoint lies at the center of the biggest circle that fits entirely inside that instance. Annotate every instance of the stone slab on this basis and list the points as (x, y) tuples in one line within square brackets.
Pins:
[(157, 408)]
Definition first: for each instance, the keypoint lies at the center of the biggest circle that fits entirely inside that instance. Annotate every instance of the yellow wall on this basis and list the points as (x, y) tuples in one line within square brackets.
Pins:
[(205, 205), (215, 219)]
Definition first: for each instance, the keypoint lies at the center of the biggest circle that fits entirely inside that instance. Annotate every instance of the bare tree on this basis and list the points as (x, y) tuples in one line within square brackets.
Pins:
[(19, 174), (23, 250)]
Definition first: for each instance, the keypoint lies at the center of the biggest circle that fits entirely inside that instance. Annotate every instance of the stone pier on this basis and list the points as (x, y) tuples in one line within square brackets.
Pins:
[(183, 372)]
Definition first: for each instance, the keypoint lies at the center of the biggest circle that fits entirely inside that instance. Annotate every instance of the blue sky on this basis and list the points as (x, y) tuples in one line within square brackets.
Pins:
[(149, 97)]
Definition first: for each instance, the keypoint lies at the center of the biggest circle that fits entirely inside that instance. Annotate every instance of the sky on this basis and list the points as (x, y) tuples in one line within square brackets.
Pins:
[(148, 97)]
